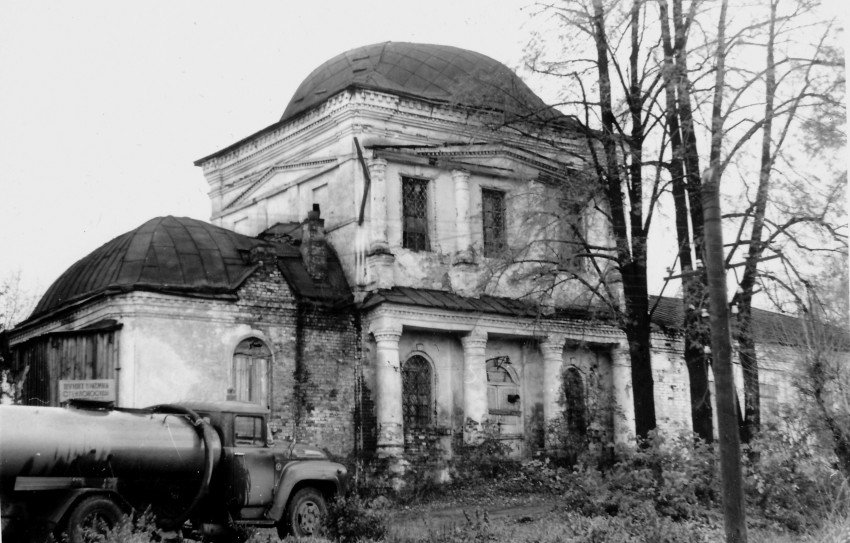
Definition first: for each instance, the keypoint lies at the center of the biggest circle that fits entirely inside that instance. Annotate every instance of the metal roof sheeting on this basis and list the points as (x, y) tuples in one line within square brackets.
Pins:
[(426, 71), (179, 255)]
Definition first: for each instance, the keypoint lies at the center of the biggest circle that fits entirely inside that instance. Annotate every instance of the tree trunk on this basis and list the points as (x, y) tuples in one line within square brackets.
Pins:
[(629, 233), (746, 344), (701, 412)]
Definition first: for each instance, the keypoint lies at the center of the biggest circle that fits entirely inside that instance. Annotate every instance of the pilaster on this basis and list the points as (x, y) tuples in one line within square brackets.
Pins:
[(463, 229), (378, 195)]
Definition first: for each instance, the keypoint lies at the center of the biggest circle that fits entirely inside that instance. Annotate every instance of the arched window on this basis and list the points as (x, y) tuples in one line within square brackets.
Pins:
[(417, 385), (576, 410), (250, 372)]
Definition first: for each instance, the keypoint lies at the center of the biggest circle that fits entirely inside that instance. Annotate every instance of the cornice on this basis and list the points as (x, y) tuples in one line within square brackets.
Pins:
[(276, 135), (463, 322), (140, 304), (392, 106)]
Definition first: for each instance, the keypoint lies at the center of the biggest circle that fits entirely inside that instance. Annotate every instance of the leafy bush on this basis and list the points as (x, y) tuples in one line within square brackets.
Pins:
[(676, 476), (141, 530), (351, 519), (487, 459), (790, 481)]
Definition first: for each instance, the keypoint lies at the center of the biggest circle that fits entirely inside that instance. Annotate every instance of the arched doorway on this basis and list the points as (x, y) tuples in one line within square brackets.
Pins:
[(249, 376), (503, 399)]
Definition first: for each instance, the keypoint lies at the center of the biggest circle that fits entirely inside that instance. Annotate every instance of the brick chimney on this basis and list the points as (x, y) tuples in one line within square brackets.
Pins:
[(314, 250)]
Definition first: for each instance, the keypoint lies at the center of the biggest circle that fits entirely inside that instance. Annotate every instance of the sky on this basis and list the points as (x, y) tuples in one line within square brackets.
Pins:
[(104, 106)]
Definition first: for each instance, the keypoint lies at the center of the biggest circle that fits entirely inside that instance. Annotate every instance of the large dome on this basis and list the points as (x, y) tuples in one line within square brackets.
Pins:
[(438, 73), (166, 254)]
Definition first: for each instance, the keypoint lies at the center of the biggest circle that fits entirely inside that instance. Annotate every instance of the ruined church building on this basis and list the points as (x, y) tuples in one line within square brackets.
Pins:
[(352, 276)]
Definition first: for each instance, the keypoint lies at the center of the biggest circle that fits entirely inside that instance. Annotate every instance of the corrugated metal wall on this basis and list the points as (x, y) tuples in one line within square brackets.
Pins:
[(81, 354)]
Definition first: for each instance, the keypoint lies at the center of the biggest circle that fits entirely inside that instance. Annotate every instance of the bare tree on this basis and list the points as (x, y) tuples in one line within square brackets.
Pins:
[(16, 302)]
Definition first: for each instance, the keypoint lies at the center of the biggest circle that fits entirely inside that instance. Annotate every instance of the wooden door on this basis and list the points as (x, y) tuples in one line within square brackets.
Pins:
[(504, 401)]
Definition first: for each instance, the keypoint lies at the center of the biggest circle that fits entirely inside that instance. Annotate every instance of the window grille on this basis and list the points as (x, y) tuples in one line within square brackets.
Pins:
[(250, 376), (493, 211), (414, 194), (416, 392)]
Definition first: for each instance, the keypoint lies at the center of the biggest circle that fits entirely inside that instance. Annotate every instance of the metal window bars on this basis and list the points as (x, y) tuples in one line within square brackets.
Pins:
[(416, 384), (493, 214), (414, 194)]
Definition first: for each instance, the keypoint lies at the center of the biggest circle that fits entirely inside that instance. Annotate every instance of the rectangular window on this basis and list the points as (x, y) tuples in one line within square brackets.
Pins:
[(414, 197), (493, 215), (249, 431), (573, 244)]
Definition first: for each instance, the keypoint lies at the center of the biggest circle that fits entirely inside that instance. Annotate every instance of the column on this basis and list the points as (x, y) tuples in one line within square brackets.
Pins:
[(552, 348), (621, 375), (474, 384), (388, 394), (462, 226), (378, 195)]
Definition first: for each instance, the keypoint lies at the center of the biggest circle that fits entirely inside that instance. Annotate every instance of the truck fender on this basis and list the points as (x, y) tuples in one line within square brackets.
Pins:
[(321, 473), (56, 507)]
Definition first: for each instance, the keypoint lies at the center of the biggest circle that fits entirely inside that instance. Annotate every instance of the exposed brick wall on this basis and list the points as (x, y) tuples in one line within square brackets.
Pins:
[(325, 378), (315, 361)]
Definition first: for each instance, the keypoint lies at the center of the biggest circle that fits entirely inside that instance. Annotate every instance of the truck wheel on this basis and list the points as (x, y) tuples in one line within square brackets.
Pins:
[(306, 512), (92, 517)]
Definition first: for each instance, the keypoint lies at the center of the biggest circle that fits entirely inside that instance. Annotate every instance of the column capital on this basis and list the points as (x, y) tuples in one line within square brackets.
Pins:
[(620, 355), (385, 331), (376, 164), (553, 345), (387, 335), (477, 338), (460, 174)]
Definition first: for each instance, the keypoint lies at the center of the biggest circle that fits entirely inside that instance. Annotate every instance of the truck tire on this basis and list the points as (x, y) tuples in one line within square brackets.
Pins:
[(92, 516), (306, 512)]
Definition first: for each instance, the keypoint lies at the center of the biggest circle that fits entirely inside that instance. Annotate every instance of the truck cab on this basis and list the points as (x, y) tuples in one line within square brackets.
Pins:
[(262, 482)]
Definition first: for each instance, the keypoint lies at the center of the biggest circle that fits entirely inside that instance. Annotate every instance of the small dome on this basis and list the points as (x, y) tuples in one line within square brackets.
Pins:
[(166, 254), (431, 72)]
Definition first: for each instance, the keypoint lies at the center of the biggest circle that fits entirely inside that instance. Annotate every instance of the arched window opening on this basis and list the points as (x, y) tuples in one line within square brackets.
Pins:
[(417, 385), (576, 410), (250, 372)]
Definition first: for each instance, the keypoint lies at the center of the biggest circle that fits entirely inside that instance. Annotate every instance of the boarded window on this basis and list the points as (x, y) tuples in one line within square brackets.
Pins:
[(414, 194), (250, 376), (493, 215), (417, 386)]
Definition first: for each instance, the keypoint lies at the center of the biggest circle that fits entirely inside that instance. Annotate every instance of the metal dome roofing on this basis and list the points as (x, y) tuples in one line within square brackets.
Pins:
[(170, 254), (431, 72)]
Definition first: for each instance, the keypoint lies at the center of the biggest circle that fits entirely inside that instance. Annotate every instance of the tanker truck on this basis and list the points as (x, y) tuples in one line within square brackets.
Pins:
[(204, 470)]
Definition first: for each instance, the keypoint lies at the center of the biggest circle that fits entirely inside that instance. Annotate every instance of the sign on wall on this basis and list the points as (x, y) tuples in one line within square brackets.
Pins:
[(102, 390)]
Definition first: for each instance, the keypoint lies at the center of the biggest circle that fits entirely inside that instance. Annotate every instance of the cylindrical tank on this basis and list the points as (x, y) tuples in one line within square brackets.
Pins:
[(75, 442)]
